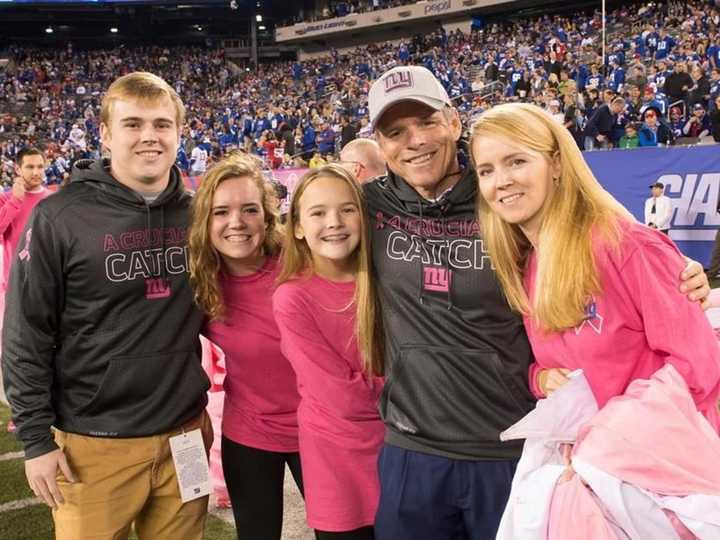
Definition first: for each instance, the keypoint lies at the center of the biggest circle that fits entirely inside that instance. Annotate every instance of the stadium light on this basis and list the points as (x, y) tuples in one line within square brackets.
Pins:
[(262, 27), (198, 27), (114, 30), (49, 30), (258, 18)]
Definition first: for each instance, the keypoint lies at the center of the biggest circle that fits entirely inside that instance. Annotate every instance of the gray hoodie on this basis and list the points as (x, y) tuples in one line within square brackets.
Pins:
[(456, 356)]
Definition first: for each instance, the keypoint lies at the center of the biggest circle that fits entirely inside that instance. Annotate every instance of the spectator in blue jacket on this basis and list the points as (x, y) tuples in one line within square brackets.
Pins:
[(653, 131), (326, 140), (308, 141)]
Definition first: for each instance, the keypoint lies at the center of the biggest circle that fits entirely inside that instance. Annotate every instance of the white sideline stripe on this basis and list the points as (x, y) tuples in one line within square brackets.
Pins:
[(224, 514), (17, 505), (11, 455)]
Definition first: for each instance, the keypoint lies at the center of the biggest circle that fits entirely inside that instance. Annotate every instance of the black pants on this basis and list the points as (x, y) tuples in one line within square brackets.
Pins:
[(255, 481), (363, 533)]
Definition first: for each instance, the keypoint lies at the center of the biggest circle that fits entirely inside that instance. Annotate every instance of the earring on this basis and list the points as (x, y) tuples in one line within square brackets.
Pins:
[(556, 180)]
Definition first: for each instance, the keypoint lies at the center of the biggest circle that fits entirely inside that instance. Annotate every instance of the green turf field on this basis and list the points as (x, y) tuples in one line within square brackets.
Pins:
[(34, 522)]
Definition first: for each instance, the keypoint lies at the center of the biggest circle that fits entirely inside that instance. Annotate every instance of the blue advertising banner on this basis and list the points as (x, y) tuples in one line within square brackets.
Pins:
[(692, 181)]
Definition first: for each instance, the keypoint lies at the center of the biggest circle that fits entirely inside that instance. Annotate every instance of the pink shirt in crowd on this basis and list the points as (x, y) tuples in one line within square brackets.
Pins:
[(340, 428), (261, 396), (14, 214), (640, 322)]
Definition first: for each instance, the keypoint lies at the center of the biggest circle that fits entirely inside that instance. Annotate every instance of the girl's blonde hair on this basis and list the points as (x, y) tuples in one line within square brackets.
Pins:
[(577, 213), (297, 263), (204, 259)]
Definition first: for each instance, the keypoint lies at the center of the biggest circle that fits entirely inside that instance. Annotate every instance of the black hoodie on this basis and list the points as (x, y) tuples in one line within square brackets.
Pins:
[(457, 357), (101, 334)]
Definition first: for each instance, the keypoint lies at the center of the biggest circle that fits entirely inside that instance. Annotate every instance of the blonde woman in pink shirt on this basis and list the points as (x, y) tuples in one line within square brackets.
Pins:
[(329, 322), (234, 246), (598, 290)]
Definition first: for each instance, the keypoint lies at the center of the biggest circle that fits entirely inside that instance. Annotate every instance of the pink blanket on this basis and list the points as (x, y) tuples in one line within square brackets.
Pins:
[(575, 511), (654, 437), (213, 361)]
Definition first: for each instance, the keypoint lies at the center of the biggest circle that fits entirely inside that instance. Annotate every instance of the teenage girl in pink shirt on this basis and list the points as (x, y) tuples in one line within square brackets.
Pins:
[(598, 290), (234, 244), (328, 317)]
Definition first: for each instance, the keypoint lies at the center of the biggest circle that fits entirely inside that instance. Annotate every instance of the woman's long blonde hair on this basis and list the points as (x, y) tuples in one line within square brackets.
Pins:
[(205, 262), (578, 212), (297, 263)]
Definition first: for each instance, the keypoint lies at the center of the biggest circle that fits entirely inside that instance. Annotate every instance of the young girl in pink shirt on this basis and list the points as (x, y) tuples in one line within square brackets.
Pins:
[(597, 290), (234, 244), (328, 317)]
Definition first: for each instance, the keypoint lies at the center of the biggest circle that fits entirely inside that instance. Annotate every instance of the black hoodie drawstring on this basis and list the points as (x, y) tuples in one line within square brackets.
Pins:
[(161, 259), (408, 197), (444, 207), (163, 272), (148, 223)]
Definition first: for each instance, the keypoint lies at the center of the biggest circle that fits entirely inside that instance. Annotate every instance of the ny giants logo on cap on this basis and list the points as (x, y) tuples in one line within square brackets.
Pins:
[(398, 79)]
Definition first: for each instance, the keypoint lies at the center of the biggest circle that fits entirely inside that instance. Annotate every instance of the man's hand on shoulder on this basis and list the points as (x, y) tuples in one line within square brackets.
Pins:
[(41, 473), (694, 283)]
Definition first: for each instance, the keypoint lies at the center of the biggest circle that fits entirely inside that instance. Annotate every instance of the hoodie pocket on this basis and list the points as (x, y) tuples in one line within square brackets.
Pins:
[(153, 380), (453, 395)]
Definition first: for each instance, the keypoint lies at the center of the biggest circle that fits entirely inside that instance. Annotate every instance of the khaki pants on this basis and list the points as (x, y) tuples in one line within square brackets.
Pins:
[(121, 481)]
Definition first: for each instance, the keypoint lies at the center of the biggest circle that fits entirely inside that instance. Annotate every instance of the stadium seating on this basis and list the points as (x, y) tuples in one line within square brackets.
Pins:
[(287, 111)]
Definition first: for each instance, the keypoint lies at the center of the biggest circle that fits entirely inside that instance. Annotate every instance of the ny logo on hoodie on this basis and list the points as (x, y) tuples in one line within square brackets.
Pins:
[(436, 279), (156, 288)]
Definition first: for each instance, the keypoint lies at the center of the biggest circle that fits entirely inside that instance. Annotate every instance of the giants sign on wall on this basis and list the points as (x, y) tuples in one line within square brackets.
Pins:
[(692, 181)]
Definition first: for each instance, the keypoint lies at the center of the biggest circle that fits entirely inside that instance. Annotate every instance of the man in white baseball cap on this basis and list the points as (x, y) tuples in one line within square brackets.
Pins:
[(456, 356)]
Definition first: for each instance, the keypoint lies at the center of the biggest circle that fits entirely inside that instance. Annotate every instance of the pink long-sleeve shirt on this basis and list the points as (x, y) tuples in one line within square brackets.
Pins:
[(639, 322), (340, 428), (14, 214), (261, 396)]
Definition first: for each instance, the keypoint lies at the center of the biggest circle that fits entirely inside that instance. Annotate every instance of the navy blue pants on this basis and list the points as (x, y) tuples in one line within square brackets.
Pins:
[(426, 497)]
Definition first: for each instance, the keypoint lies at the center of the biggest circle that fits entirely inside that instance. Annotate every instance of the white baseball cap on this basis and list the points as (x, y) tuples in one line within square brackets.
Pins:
[(405, 83)]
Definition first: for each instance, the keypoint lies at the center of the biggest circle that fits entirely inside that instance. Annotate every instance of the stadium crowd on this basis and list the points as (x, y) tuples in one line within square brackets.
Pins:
[(663, 60)]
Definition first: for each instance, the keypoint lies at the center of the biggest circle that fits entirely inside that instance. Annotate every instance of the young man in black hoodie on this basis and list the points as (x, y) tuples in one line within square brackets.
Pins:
[(457, 357), (101, 333)]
